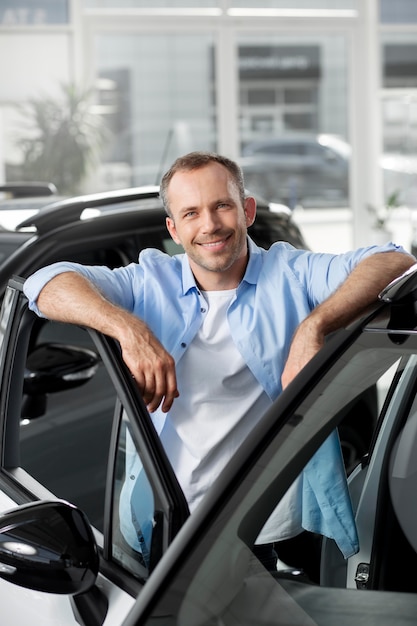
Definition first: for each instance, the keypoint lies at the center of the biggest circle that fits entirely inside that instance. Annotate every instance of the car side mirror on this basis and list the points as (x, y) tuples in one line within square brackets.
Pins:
[(53, 367), (49, 547)]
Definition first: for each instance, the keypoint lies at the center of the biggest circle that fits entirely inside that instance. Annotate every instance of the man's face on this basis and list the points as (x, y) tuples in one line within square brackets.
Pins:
[(210, 222)]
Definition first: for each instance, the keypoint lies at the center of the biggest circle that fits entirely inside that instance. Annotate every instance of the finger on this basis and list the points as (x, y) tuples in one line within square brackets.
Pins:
[(172, 392), (139, 379), (165, 389), (152, 393)]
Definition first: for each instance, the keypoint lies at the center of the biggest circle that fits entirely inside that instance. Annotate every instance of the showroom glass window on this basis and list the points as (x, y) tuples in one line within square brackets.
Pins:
[(399, 93), (161, 89), (30, 12), (151, 3), (292, 89)]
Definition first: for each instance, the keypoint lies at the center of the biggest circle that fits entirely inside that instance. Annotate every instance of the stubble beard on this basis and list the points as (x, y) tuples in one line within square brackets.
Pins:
[(221, 262)]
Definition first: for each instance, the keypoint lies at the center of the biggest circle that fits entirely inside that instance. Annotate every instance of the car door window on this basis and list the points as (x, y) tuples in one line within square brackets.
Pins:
[(134, 527), (75, 426), (71, 427), (66, 425)]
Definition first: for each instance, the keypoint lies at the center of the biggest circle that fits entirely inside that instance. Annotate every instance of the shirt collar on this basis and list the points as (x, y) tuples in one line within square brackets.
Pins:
[(251, 274), (188, 280), (254, 265)]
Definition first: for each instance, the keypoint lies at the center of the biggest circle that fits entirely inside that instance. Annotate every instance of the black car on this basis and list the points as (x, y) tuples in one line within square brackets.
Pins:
[(106, 228), (99, 229), (110, 228)]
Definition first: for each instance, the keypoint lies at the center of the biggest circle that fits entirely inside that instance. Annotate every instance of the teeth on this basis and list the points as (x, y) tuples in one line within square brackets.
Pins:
[(213, 243)]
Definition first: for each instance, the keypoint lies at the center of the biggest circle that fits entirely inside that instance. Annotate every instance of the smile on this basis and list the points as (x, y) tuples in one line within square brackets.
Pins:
[(214, 244)]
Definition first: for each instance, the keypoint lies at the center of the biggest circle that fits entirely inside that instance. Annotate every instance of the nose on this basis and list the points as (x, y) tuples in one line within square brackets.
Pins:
[(210, 221)]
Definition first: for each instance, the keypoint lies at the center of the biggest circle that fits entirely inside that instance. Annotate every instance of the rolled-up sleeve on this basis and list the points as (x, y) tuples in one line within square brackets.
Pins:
[(116, 285), (36, 282), (323, 273)]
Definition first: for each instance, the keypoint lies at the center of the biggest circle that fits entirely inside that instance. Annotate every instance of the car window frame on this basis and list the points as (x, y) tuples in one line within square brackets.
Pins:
[(158, 468), (206, 525)]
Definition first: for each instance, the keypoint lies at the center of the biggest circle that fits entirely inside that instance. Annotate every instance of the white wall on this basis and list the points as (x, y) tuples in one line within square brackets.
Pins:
[(36, 63), (331, 230)]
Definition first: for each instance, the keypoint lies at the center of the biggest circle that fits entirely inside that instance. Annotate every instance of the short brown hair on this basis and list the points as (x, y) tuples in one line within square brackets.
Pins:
[(195, 160)]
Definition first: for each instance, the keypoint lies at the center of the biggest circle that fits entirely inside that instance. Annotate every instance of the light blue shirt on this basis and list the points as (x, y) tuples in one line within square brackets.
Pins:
[(281, 286)]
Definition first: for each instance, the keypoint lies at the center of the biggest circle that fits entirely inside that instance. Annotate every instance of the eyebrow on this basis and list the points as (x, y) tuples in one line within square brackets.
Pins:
[(223, 200)]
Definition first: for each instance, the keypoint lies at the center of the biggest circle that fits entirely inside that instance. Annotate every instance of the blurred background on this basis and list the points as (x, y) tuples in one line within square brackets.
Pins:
[(317, 100)]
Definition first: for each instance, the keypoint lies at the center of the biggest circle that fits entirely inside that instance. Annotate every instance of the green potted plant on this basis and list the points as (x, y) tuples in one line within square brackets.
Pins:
[(62, 139)]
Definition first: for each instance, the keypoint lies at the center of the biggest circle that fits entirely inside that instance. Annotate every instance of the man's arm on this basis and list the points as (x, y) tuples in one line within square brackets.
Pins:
[(69, 297), (353, 298)]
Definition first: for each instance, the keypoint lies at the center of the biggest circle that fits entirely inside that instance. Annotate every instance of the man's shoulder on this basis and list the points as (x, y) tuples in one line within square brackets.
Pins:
[(159, 264), (276, 249), (155, 256)]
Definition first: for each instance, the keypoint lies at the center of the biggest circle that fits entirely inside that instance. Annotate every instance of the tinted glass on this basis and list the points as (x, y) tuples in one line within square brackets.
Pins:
[(65, 435), (223, 581), (133, 540)]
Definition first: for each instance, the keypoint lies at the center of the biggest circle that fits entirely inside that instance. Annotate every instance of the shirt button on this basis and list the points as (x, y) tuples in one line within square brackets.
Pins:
[(183, 345), (203, 310)]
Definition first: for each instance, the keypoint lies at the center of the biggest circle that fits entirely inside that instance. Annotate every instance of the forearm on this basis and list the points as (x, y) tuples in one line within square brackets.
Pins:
[(70, 297), (359, 292), (354, 297)]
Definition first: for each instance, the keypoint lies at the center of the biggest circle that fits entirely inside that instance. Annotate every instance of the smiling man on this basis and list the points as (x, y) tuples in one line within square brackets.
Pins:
[(213, 335), (206, 218)]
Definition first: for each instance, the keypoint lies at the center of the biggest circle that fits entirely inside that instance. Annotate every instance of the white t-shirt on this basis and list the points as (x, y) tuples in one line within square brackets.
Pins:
[(219, 404)]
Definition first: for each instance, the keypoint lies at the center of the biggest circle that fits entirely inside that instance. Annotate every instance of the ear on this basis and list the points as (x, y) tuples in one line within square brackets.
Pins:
[(172, 230), (250, 210)]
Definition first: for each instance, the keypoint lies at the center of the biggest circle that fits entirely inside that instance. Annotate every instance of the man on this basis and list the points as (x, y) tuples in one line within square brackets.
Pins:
[(212, 336)]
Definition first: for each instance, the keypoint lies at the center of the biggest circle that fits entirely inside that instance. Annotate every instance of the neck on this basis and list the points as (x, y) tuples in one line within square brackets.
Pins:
[(218, 281), (215, 285)]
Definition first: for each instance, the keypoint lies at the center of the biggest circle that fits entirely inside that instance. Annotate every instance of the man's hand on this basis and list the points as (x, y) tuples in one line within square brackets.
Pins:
[(69, 297), (152, 367)]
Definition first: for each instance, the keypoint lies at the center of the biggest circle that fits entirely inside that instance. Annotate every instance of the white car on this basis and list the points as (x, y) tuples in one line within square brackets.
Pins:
[(313, 171)]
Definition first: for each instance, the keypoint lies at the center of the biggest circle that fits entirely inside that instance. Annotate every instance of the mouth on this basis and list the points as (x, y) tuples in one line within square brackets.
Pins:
[(214, 245)]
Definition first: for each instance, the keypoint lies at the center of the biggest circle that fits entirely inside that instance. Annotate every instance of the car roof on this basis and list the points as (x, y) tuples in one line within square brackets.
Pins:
[(63, 212), (111, 218), (45, 215), (20, 200), (28, 189)]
